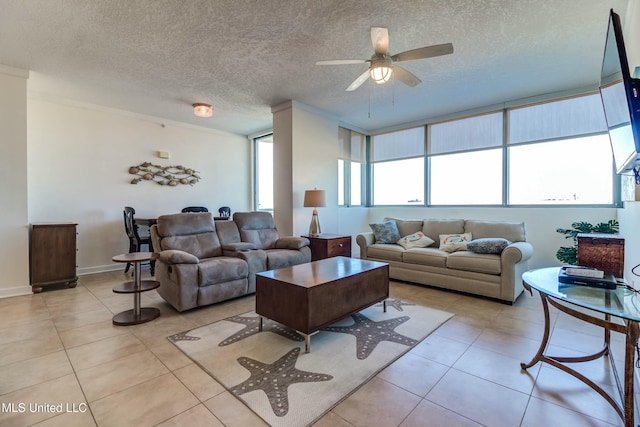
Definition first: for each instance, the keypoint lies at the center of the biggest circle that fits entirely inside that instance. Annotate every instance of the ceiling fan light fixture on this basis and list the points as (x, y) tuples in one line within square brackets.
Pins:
[(381, 73), (202, 110)]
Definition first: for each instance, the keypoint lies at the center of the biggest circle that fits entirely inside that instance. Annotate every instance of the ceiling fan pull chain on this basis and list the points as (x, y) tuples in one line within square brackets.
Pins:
[(393, 92), (369, 92)]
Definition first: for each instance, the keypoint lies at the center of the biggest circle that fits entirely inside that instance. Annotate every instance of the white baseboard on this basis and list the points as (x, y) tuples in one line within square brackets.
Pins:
[(14, 292), (99, 269)]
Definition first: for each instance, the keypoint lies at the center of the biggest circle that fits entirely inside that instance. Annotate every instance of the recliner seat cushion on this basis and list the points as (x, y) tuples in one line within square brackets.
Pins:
[(220, 270)]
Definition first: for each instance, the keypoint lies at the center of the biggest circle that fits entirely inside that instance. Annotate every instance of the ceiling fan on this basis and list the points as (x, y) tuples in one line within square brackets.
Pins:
[(382, 65)]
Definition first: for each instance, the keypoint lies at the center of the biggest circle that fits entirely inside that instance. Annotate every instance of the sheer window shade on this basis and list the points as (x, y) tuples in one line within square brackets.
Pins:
[(351, 145), (558, 119), (466, 134), (404, 144)]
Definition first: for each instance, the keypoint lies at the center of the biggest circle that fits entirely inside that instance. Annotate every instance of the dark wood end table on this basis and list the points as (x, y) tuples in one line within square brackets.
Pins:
[(138, 314), (329, 245)]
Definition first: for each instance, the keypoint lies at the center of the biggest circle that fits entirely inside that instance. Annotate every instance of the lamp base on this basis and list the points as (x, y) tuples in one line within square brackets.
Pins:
[(314, 227)]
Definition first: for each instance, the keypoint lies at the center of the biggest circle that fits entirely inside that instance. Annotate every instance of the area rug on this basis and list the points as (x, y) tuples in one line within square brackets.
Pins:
[(270, 372)]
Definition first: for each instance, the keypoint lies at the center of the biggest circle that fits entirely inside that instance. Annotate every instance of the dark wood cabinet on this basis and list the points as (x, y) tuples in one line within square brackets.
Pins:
[(329, 245), (52, 255)]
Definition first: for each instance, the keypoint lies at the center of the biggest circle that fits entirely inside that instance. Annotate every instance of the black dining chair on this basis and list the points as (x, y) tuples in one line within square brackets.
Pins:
[(195, 209), (135, 240), (224, 211)]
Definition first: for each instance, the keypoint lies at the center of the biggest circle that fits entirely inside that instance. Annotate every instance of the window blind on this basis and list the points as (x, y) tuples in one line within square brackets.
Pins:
[(403, 144), (577, 116), (470, 133)]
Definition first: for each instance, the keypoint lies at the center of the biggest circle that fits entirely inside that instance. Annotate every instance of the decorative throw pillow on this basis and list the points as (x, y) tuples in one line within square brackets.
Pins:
[(488, 245), (454, 242), (385, 232), (415, 240)]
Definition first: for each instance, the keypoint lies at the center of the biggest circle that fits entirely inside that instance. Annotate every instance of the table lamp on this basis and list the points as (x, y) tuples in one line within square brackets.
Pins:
[(314, 199)]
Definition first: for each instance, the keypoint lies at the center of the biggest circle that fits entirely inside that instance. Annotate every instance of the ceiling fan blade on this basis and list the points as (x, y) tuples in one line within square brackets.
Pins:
[(380, 39), (424, 52), (405, 76), (342, 61), (358, 82)]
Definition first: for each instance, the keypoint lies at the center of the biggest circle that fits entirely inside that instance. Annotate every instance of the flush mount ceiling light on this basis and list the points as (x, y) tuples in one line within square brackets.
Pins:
[(202, 110)]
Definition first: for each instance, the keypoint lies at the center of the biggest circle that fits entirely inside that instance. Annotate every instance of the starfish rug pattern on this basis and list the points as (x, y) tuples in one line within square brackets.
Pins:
[(252, 327), (370, 333), (395, 303), (275, 378), (182, 336)]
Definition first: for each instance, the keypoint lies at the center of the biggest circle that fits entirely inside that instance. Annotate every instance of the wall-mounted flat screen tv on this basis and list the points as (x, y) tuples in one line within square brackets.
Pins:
[(619, 92)]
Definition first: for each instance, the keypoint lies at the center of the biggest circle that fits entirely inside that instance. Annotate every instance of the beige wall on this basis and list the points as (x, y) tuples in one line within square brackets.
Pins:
[(78, 161), (14, 250)]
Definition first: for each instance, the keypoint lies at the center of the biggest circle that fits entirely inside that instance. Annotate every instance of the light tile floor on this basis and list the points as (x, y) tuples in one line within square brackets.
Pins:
[(59, 350)]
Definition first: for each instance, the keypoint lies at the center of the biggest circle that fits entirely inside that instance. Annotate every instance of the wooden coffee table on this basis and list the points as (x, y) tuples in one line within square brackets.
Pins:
[(309, 297)]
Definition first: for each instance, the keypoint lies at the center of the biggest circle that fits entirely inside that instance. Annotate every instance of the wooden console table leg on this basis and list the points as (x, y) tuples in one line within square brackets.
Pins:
[(629, 371)]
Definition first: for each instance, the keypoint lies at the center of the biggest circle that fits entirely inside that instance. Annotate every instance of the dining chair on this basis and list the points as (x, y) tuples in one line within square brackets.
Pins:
[(224, 211), (135, 240), (195, 209)]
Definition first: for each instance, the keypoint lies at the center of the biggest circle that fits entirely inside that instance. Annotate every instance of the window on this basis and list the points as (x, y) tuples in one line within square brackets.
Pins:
[(350, 167), (568, 171), (569, 161), (466, 161), (398, 167), (551, 153), (263, 174)]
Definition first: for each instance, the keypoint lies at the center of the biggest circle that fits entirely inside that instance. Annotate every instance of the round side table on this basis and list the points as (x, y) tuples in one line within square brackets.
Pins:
[(138, 314)]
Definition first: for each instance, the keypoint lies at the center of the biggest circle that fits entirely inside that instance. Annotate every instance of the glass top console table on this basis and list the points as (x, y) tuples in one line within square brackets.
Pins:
[(603, 304)]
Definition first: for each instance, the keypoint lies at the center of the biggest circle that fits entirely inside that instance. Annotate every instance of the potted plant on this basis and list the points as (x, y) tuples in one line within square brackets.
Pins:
[(569, 254)]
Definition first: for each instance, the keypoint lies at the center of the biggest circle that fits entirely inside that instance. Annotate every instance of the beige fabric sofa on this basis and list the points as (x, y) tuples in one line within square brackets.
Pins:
[(491, 275), (203, 262)]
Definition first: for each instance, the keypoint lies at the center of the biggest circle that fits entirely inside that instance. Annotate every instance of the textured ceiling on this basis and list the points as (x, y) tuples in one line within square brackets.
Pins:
[(158, 57)]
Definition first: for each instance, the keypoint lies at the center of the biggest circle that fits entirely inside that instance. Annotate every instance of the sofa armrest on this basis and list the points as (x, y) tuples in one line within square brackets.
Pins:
[(517, 252), (364, 240), (232, 249), (292, 242), (174, 256)]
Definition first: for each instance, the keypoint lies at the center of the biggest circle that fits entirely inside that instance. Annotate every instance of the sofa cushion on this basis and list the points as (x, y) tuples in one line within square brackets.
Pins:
[(292, 242), (204, 245), (415, 240), (221, 269), (431, 257), (479, 263), (173, 256), (488, 245), (433, 228), (258, 228), (406, 226), (512, 231), (280, 258), (454, 242), (385, 232), (391, 252), (185, 224)]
